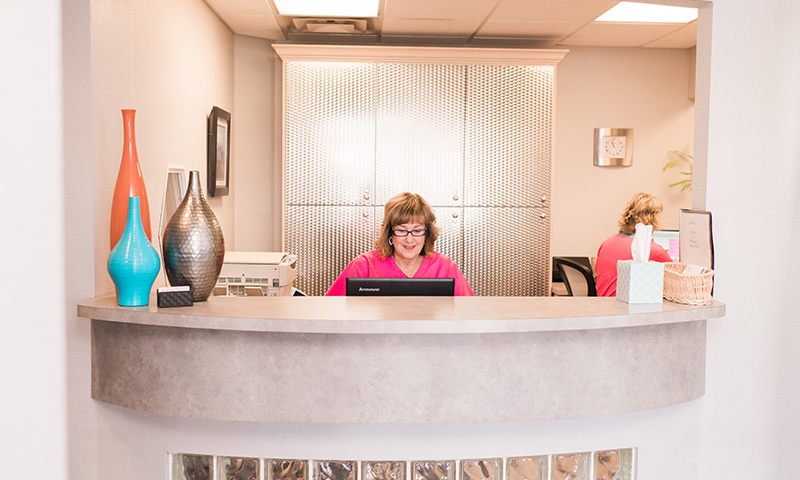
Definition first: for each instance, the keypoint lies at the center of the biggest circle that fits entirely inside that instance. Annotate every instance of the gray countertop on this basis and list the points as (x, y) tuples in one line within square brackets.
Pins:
[(401, 315), (397, 359)]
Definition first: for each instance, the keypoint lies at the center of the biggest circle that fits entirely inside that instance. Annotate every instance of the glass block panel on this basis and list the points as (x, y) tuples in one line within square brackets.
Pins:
[(420, 132), (433, 470), (287, 469), (383, 470), (569, 466), (526, 468), (614, 464), (335, 470), (481, 469), (238, 468), (188, 466)]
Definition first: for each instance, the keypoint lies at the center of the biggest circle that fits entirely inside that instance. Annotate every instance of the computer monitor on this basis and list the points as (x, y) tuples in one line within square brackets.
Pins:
[(390, 287), (670, 240)]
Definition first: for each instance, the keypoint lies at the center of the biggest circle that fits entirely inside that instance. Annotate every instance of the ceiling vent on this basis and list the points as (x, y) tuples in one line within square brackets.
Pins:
[(326, 25)]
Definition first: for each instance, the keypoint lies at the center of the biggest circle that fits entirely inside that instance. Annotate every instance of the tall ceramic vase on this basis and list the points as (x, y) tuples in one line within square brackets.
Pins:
[(193, 245), (130, 182), (133, 263)]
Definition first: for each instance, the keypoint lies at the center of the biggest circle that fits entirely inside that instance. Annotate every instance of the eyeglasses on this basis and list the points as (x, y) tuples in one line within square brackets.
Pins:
[(419, 232)]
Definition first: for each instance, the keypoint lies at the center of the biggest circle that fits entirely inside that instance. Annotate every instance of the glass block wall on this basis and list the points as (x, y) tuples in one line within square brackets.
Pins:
[(611, 464), (474, 140)]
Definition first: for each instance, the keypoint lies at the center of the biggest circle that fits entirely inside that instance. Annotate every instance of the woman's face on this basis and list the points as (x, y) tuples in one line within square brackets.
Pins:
[(406, 245)]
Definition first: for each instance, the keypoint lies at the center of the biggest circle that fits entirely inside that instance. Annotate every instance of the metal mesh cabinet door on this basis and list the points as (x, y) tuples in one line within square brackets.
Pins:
[(330, 133), (420, 132), (509, 132), (507, 250), (450, 221), (325, 239)]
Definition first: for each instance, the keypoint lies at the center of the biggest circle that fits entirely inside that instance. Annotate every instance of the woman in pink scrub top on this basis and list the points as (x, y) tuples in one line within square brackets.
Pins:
[(404, 248), (641, 208)]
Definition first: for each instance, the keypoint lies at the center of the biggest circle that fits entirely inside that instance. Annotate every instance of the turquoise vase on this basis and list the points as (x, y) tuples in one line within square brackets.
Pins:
[(133, 263)]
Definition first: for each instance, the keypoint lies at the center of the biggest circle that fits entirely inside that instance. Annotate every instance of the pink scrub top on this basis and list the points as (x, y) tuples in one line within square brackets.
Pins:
[(615, 248), (371, 265)]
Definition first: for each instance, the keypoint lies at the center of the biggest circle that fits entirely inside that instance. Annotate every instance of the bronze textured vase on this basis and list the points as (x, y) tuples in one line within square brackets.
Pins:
[(193, 246)]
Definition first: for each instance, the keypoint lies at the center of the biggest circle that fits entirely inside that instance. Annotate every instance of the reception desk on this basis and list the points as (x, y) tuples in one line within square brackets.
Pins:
[(397, 359)]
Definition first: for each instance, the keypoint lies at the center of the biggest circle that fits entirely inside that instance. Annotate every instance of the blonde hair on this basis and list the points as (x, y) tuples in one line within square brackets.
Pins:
[(641, 208), (406, 208)]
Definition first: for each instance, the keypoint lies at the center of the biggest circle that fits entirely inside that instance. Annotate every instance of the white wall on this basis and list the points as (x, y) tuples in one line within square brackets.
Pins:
[(33, 427), (744, 427), (753, 192)]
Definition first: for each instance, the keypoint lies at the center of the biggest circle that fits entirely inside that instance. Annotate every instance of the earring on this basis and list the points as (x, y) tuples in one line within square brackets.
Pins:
[(390, 242)]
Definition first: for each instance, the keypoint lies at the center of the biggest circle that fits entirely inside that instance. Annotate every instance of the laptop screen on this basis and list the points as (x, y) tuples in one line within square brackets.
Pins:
[(670, 240), (390, 287)]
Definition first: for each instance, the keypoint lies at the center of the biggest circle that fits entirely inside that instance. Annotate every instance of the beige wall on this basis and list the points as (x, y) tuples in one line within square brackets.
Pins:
[(645, 89), (171, 62), (256, 173)]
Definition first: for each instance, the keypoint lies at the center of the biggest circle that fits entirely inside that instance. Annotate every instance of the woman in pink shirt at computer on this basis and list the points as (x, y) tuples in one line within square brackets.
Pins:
[(404, 248), (641, 208)]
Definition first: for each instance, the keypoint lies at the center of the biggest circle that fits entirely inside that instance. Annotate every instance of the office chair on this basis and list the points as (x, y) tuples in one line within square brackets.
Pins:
[(577, 277)]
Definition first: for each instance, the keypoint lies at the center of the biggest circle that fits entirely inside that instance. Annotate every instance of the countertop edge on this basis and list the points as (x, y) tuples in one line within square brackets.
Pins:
[(461, 315)]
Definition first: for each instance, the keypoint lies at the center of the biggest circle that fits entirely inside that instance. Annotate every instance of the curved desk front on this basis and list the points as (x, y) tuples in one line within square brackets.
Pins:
[(397, 359)]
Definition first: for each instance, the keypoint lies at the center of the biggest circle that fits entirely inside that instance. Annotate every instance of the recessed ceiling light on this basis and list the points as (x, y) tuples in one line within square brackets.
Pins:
[(630, 12), (328, 8)]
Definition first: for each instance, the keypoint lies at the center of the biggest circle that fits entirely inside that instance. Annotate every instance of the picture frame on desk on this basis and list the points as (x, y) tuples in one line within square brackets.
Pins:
[(219, 152), (696, 238)]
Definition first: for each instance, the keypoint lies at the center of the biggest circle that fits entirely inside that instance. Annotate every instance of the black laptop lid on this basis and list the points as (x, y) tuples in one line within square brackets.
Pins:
[(390, 287)]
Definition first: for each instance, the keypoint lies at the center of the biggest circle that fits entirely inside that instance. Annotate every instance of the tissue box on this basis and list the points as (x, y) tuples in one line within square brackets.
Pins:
[(640, 282)]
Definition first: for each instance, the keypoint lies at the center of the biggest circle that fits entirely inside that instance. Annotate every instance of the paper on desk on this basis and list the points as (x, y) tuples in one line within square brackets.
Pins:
[(693, 270), (640, 247)]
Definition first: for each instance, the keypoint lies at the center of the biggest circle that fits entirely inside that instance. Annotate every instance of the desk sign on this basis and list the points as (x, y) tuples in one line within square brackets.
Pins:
[(696, 240)]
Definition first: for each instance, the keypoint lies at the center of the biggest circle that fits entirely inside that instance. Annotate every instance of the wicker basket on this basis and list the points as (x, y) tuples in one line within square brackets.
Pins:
[(690, 289)]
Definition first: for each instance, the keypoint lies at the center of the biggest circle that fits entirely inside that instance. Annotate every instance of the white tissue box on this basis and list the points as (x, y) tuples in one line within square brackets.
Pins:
[(640, 282)]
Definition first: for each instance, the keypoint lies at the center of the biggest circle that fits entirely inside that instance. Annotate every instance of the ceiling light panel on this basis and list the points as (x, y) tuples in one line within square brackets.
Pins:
[(583, 11), (629, 12), (619, 35), (438, 9), (328, 8)]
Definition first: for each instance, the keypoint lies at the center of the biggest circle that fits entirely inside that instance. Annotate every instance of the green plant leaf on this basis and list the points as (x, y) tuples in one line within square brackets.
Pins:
[(679, 158)]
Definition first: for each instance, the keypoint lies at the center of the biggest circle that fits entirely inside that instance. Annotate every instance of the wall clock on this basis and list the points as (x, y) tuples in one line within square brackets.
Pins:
[(613, 147)]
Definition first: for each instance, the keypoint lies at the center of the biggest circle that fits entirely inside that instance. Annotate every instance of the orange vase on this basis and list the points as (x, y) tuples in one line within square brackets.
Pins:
[(130, 183)]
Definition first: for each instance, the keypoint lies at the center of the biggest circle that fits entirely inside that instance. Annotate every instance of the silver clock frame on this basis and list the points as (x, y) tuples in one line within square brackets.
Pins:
[(602, 160)]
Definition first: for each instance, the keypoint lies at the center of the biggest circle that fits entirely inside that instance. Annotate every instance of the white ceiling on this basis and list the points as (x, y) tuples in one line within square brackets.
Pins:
[(530, 23)]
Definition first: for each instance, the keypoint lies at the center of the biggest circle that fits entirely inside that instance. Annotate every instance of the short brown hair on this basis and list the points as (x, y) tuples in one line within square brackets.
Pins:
[(641, 208), (404, 208)]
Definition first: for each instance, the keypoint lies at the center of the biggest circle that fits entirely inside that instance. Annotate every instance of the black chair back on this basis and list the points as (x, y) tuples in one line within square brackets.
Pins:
[(577, 277)]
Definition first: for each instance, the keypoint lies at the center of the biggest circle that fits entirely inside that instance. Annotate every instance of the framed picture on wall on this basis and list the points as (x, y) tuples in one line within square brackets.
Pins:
[(219, 152)]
